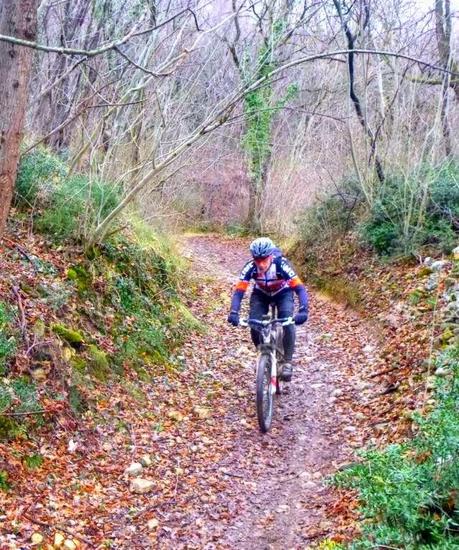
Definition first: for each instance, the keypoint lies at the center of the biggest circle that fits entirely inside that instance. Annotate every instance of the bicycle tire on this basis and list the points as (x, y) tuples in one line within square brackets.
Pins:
[(264, 396)]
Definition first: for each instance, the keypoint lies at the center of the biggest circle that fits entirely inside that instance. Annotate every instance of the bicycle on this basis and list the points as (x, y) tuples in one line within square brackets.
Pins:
[(271, 354)]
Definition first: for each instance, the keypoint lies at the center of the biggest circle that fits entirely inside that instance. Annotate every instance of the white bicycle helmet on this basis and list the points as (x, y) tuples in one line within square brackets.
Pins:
[(261, 247)]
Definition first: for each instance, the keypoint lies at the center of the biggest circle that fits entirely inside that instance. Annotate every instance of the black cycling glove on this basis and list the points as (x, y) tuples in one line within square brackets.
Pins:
[(233, 318), (302, 316)]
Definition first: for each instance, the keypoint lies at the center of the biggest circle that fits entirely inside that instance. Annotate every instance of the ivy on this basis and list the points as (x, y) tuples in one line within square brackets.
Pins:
[(260, 107)]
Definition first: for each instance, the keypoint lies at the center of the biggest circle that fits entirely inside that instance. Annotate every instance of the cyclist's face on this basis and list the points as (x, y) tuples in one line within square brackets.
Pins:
[(263, 264)]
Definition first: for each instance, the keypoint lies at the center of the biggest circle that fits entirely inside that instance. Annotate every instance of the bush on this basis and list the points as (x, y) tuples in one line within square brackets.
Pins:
[(142, 275), (76, 206), (332, 215), (39, 174), (409, 492), (7, 338), (405, 215), (66, 207)]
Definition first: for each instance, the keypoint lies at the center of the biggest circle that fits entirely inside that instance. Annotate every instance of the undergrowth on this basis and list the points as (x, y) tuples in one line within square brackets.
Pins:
[(401, 216), (7, 337), (108, 314), (409, 492), (62, 206)]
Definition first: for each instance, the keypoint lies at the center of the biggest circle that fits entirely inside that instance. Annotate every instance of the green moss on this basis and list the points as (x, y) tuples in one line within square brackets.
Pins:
[(77, 400), (81, 277), (424, 271), (98, 365), (416, 296), (78, 363), (447, 335), (9, 428), (339, 289), (72, 337), (5, 485)]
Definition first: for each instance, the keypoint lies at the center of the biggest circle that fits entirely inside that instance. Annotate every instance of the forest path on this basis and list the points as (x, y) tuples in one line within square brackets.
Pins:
[(275, 493), (215, 482)]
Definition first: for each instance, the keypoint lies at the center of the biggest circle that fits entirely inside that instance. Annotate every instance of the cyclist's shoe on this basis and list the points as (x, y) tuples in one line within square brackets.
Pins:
[(286, 374)]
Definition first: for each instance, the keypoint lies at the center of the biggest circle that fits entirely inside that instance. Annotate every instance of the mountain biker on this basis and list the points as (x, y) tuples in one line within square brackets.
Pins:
[(275, 281)]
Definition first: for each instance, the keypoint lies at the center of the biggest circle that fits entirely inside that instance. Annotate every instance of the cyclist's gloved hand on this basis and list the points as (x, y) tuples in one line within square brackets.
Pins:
[(233, 318), (301, 317)]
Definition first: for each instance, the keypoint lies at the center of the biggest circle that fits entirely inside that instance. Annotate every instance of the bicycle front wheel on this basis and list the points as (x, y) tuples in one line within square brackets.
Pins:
[(265, 397)]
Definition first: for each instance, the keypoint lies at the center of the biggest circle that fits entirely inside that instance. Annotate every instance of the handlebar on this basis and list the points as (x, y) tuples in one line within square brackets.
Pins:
[(284, 322)]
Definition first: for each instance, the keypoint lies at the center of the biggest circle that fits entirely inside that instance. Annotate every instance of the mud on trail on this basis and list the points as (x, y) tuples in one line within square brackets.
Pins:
[(276, 491)]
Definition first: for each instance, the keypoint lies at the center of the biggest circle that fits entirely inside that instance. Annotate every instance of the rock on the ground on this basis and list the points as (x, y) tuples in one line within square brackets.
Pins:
[(152, 524), (134, 469), (37, 538), (141, 486), (146, 461), (439, 265), (58, 540)]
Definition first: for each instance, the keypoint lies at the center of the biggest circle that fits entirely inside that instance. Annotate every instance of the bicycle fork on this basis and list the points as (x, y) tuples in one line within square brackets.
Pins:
[(273, 377)]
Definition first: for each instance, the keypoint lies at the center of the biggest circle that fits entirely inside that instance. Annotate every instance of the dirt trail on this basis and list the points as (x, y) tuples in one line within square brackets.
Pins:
[(277, 492), (218, 483)]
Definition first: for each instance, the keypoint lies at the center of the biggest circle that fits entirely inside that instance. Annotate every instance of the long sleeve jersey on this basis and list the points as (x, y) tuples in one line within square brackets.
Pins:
[(277, 278)]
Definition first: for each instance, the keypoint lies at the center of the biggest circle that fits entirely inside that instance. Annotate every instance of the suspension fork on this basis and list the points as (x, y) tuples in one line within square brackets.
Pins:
[(269, 349)]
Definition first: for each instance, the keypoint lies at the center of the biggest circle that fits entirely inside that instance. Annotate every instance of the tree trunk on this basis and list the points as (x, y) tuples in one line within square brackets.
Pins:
[(18, 18), (443, 32)]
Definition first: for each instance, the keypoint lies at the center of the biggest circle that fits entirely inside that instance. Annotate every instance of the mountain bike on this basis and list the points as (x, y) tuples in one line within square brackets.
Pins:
[(270, 357)]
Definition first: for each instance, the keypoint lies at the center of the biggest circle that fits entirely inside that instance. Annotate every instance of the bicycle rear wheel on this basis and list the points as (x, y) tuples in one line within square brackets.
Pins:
[(265, 397)]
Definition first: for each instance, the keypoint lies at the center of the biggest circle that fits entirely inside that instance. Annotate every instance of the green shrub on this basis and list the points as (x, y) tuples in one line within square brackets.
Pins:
[(33, 462), (408, 213), (75, 207), (409, 492), (333, 214), (39, 174), (65, 206), (7, 338), (142, 275), (5, 485)]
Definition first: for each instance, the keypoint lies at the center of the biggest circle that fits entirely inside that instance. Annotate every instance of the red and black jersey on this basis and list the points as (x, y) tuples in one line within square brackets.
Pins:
[(280, 275)]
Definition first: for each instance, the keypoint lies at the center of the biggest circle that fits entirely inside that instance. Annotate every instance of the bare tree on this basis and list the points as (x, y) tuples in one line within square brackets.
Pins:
[(17, 18)]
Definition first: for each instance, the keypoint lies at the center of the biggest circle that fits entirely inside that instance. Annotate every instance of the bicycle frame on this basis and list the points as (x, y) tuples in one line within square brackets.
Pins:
[(270, 334)]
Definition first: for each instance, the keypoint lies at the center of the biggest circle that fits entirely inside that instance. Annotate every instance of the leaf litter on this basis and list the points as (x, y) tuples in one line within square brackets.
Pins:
[(214, 480)]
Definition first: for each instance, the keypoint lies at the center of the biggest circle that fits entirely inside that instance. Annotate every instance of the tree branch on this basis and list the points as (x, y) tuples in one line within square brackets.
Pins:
[(91, 53)]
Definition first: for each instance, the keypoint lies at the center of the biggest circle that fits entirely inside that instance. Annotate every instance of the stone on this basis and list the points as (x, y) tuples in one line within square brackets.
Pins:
[(428, 261), (37, 538), (282, 508), (432, 282), (152, 524), (58, 540), (201, 412), (146, 461), (134, 469), (141, 486), (456, 253), (441, 372), (439, 265), (70, 544)]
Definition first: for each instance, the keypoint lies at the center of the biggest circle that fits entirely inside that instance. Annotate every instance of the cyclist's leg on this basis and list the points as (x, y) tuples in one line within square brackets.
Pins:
[(285, 303), (259, 305)]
